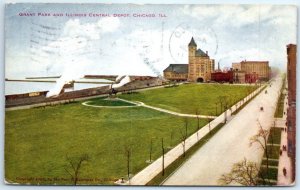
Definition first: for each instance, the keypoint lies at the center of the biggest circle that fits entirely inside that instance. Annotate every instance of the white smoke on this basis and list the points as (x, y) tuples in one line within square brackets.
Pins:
[(119, 77), (124, 81), (72, 49)]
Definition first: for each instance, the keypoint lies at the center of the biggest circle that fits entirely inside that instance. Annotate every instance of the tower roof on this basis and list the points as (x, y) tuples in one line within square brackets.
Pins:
[(192, 42)]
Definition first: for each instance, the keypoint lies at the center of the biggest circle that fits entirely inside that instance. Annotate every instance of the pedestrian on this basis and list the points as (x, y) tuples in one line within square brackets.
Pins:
[(284, 171), (280, 152)]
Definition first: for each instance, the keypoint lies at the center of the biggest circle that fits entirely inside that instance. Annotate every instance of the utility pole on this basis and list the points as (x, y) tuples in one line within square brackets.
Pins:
[(163, 156)]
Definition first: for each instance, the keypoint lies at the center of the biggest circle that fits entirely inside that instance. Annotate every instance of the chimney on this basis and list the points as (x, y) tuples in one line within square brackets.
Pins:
[(206, 52)]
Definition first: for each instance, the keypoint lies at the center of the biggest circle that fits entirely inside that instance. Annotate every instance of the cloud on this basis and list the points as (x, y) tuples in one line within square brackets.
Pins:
[(109, 24), (253, 32), (240, 15), (73, 49)]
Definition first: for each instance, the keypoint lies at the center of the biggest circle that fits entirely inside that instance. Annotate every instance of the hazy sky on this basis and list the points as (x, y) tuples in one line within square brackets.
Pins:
[(73, 46)]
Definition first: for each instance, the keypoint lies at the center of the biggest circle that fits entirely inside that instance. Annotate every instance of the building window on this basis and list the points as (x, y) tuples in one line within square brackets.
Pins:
[(202, 69)]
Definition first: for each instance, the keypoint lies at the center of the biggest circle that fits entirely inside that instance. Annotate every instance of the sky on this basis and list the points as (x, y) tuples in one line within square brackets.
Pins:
[(140, 39)]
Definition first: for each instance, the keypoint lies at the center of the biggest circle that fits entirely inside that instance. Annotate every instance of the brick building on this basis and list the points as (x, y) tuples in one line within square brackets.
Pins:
[(251, 78), (261, 68), (222, 76), (198, 69), (291, 111), (176, 72)]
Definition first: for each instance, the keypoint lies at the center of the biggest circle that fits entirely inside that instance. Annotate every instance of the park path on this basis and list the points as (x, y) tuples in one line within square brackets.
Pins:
[(230, 144), (148, 173), (97, 106), (168, 111)]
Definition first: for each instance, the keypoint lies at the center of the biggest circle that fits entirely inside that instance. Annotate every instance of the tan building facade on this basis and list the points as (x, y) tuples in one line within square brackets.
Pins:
[(236, 66), (250, 67), (176, 72), (198, 69), (200, 65)]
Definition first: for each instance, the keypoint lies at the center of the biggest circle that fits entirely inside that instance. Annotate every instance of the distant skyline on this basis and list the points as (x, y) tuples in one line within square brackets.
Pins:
[(136, 44)]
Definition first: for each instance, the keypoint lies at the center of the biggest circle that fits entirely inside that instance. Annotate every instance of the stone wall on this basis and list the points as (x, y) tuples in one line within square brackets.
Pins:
[(40, 97), (26, 99)]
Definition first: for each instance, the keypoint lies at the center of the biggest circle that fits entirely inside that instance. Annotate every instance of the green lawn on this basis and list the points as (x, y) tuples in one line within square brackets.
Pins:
[(275, 135), (38, 140), (272, 173), (157, 180), (280, 103), (273, 152), (271, 162), (188, 98), (105, 102)]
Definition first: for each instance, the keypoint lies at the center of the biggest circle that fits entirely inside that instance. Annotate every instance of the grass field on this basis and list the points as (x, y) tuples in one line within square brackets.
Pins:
[(280, 103), (188, 98), (105, 102), (273, 153), (38, 140)]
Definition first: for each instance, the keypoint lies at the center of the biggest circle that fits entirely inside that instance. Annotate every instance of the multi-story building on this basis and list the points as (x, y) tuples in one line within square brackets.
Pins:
[(220, 76), (198, 69), (200, 65), (261, 68), (236, 66), (239, 76), (291, 111)]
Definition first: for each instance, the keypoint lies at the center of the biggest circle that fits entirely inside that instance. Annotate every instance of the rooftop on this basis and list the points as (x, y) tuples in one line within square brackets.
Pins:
[(178, 68)]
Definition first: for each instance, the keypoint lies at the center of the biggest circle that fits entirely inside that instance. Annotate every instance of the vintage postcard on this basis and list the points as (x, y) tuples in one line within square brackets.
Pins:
[(172, 95)]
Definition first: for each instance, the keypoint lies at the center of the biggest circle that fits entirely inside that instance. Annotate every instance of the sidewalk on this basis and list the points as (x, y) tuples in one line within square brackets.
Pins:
[(148, 173), (284, 160)]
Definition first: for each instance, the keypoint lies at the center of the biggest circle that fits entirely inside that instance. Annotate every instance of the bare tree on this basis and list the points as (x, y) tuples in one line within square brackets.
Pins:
[(221, 100), (209, 121), (74, 166), (261, 138), (171, 139), (184, 135), (150, 151), (198, 123), (216, 108), (128, 155), (163, 156), (243, 172)]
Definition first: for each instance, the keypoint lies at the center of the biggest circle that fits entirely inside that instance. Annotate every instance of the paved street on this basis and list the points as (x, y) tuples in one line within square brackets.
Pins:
[(230, 144), (148, 173)]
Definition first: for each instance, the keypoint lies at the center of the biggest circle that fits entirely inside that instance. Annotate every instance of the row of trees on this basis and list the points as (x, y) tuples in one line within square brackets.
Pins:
[(246, 172), (74, 164)]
